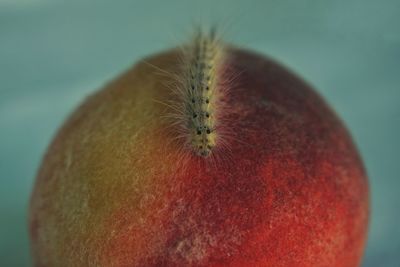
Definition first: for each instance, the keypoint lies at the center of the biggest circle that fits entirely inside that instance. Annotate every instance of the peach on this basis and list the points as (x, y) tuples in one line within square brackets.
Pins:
[(128, 182)]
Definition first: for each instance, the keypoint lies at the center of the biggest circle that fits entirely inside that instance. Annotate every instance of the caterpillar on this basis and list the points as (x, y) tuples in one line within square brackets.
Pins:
[(201, 93)]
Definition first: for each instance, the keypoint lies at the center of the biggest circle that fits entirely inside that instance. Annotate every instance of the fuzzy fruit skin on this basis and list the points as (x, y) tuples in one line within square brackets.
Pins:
[(292, 191)]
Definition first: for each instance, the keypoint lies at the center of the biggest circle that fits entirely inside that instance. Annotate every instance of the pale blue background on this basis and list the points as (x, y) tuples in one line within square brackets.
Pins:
[(53, 53)]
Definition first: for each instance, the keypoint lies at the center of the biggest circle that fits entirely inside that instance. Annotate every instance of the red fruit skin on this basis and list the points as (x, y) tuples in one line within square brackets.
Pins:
[(292, 190)]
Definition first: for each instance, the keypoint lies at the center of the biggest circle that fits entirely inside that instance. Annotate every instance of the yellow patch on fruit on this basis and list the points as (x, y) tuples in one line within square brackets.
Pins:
[(111, 153)]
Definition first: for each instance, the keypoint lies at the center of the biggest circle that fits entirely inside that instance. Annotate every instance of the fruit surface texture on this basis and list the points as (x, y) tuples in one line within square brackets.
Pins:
[(272, 179)]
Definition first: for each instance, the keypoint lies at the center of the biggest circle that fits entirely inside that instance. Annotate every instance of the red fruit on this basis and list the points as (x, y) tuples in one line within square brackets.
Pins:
[(287, 189)]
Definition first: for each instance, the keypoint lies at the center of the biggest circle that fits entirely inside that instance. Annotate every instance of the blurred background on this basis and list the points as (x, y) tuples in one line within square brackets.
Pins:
[(54, 53)]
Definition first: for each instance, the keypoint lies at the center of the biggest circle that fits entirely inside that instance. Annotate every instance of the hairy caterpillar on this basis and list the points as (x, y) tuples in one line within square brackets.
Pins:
[(201, 91)]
